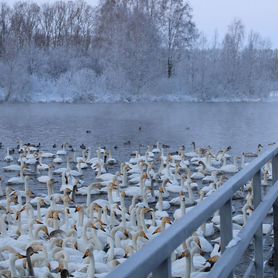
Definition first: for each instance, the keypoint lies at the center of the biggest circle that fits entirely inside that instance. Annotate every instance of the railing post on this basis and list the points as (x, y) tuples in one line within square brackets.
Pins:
[(163, 270), (275, 215), (258, 237), (226, 228)]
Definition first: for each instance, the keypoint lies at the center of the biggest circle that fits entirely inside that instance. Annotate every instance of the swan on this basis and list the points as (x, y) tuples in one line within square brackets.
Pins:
[(8, 157), (259, 150), (13, 167), (182, 210), (57, 159), (45, 179), (193, 153), (63, 150), (45, 154), (42, 166), (20, 178), (111, 160), (162, 205), (94, 267), (228, 168), (156, 149), (199, 175)]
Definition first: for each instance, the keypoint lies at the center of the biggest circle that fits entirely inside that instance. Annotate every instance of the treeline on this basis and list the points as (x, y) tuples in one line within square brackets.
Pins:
[(126, 49)]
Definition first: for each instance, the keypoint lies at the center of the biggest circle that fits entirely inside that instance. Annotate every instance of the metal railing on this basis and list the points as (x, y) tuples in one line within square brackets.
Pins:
[(155, 257)]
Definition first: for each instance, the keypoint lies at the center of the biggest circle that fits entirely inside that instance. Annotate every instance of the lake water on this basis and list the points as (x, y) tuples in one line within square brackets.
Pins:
[(241, 125)]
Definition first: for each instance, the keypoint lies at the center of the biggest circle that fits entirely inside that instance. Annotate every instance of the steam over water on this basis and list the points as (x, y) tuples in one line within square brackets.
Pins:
[(241, 125)]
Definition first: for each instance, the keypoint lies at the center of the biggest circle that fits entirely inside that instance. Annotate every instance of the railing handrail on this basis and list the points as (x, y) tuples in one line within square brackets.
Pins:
[(160, 248), (231, 257)]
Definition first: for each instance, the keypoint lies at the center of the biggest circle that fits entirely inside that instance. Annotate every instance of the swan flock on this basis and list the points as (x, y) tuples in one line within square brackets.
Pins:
[(67, 213)]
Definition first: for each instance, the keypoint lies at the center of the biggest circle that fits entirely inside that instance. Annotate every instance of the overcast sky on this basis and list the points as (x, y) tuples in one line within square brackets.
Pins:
[(209, 15)]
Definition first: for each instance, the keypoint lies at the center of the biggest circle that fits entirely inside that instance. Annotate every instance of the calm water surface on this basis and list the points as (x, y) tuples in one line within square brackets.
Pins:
[(241, 125)]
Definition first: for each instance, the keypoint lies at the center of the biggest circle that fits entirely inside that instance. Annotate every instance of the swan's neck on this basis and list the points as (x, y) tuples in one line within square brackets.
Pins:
[(182, 206), (190, 193), (19, 223), (50, 172), (122, 200), (143, 224), (96, 240), (117, 240), (19, 197), (88, 201), (160, 201), (81, 218), (79, 168), (91, 268), (244, 215), (193, 251), (124, 217), (31, 235), (39, 216), (132, 217), (112, 218), (125, 180), (134, 241), (1, 189), (145, 199), (188, 265), (48, 190), (111, 250), (142, 185), (13, 270), (153, 219), (133, 203)]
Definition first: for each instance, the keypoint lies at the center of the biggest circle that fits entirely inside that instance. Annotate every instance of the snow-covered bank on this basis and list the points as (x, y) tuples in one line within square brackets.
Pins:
[(84, 87)]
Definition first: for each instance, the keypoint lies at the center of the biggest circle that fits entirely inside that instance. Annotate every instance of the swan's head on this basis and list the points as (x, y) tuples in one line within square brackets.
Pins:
[(168, 181), (182, 194), (78, 209), (184, 254), (166, 220), (147, 210), (98, 227), (213, 260), (143, 234), (18, 215), (88, 253), (30, 251)]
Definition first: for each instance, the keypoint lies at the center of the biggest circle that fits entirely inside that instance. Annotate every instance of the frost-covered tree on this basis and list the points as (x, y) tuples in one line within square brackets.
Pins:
[(177, 28), (126, 49)]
